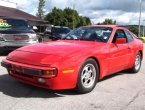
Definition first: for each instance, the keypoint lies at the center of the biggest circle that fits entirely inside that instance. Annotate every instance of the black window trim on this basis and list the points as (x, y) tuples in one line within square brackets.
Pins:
[(127, 37), (113, 41)]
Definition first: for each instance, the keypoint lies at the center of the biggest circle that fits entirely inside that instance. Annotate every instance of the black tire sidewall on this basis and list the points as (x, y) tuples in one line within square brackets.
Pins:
[(1, 50)]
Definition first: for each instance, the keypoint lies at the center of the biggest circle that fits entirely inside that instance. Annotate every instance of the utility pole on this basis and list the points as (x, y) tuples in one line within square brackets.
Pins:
[(143, 27), (73, 13), (140, 6)]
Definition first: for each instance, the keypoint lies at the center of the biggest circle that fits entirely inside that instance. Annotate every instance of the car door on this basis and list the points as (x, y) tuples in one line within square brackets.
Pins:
[(132, 46), (119, 53)]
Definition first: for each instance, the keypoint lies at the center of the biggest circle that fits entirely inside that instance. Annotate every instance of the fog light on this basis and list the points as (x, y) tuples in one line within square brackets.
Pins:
[(41, 80)]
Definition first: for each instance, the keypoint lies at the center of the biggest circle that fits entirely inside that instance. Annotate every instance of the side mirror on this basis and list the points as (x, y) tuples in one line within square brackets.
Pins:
[(121, 41), (35, 28)]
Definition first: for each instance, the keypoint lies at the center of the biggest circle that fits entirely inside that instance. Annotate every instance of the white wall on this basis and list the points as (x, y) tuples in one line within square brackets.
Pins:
[(8, 4)]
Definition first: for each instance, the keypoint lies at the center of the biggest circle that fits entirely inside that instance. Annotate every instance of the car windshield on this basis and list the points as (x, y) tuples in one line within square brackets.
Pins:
[(99, 34), (60, 30), (13, 24)]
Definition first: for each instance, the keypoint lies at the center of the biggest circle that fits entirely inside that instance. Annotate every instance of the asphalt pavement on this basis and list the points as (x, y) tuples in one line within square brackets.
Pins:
[(121, 91)]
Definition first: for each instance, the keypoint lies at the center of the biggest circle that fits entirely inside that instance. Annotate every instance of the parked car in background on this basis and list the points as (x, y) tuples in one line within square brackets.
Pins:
[(15, 33), (57, 32), (143, 39), (48, 29), (84, 56)]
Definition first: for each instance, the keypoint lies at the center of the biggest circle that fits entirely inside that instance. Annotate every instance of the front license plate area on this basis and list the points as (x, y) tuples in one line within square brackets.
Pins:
[(20, 71), (17, 69)]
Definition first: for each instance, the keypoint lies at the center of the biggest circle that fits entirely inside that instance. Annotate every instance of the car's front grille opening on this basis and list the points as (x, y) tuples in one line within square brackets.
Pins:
[(21, 74), (12, 37)]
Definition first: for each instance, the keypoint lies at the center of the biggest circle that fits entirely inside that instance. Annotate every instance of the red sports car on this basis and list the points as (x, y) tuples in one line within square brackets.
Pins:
[(79, 60)]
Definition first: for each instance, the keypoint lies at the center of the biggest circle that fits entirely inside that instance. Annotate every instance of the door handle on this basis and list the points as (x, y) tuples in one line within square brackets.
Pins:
[(129, 47)]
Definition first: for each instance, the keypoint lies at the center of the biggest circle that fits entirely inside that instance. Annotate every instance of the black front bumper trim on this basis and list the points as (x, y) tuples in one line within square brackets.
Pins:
[(33, 71), (6, 65)]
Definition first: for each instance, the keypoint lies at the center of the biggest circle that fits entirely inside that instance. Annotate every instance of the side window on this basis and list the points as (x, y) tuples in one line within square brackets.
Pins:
[(129, 36), (119, 34)]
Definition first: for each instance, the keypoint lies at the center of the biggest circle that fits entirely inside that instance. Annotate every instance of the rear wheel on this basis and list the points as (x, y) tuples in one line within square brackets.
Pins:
[(137, 63), (88, 76)]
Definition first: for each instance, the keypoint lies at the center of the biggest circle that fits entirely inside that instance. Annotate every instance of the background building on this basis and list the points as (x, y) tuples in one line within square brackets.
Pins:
[(9, 9)]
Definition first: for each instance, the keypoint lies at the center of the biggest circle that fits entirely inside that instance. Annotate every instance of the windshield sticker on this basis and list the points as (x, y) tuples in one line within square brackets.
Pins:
[(4, 24)]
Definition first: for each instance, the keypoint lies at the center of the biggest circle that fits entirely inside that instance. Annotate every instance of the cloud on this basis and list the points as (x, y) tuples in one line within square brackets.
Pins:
[(123, 11), (120, 5), (29, 6)]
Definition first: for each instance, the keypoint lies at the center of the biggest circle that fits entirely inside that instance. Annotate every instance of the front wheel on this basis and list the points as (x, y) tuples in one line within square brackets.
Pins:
[(137, 63), (88, 76)]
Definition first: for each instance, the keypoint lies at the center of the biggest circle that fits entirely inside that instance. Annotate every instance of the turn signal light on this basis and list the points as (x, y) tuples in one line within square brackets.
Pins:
[(50, 73)]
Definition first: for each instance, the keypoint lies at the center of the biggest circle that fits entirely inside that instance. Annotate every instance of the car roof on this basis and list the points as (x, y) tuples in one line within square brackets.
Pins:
[(111, 26)]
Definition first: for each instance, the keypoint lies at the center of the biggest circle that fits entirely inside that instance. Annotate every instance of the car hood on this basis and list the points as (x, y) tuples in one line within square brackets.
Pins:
[(52, 52), (61, 47)]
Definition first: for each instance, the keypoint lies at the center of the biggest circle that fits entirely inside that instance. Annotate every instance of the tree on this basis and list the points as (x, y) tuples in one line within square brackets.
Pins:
[(72, 17), (84, 21), (67, 17), (108, 21), (40, 12), (56, 17), (134, 29)]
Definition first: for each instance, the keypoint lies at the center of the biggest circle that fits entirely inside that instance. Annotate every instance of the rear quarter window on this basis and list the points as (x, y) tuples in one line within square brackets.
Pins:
[(129, 36)]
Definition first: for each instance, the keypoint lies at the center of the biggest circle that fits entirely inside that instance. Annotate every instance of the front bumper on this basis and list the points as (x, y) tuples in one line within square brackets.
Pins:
[(27, 75), (16, 70)]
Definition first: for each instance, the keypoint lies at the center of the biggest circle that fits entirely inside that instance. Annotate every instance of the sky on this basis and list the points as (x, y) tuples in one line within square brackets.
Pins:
[(123, 11)]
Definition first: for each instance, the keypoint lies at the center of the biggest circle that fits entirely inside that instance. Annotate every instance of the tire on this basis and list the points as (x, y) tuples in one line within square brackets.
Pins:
[(137, 64), (88, 76), (1, 50), (40, 39)]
